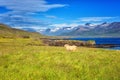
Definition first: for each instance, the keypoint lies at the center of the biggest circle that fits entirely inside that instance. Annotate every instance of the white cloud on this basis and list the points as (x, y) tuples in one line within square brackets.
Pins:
[(21, 12), (21, 20), (65, 25), (29, 5), (93, 19)]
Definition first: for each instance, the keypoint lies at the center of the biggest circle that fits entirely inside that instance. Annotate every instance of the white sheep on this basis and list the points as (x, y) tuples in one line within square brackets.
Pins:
[(70, 48)]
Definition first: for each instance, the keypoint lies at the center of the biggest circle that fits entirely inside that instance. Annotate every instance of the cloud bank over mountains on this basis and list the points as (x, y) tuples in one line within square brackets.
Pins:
[(95, 19)]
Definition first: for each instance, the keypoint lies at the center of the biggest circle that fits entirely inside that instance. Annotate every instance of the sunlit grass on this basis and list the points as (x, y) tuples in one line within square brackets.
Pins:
[(19, 61)]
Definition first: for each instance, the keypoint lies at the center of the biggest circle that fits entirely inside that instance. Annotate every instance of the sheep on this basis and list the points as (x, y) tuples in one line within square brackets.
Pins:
[(70, 48)]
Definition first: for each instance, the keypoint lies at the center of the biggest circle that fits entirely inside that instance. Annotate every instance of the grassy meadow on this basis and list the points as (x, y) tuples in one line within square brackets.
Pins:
[(28, 59)]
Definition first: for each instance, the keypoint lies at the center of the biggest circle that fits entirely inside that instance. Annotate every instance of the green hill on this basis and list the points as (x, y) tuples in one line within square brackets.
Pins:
[(8, 32)]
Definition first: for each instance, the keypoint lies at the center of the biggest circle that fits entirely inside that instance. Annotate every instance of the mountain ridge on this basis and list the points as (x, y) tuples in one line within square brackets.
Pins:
[(88, 30), (105, 29)]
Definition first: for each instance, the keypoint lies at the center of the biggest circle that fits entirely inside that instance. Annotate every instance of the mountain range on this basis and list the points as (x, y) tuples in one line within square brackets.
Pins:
[(88, 30)]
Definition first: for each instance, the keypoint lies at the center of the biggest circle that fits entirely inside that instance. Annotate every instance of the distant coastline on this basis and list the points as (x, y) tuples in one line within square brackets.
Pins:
[(102, 42)]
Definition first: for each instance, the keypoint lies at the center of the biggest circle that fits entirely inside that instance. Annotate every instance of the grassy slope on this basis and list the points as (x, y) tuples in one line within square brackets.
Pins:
[(19, 61), (7, 32)]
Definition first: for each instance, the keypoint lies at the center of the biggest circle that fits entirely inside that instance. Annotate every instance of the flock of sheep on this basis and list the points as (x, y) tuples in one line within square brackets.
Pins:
[(70, 48)]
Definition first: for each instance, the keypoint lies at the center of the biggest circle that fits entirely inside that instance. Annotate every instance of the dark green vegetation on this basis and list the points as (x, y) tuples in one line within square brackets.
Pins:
[(59, 42), (7, 32), (20, 61)]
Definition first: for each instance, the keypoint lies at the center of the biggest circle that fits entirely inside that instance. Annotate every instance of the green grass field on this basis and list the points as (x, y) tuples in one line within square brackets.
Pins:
[(21, 61)]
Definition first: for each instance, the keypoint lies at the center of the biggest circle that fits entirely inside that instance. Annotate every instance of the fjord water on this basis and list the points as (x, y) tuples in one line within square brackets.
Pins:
[(99, 41)]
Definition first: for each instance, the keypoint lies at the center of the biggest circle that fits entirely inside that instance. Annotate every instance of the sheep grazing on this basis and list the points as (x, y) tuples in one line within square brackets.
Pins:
[(70, 48)]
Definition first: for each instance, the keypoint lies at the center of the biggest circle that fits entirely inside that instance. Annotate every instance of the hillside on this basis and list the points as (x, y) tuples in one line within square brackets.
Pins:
[(8, 32)]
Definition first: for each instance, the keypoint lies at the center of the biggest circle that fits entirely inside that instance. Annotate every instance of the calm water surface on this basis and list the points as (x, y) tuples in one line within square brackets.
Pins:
[(113, 41)]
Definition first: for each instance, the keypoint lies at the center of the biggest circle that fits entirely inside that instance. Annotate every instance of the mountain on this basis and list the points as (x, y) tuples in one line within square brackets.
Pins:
[(88, 30), (59, 31), (78, 30), (8, 32), (105, 29), (29, 29), (56, 31)]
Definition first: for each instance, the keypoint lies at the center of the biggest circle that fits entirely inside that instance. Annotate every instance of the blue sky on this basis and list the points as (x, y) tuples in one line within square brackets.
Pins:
[(57, 13)]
